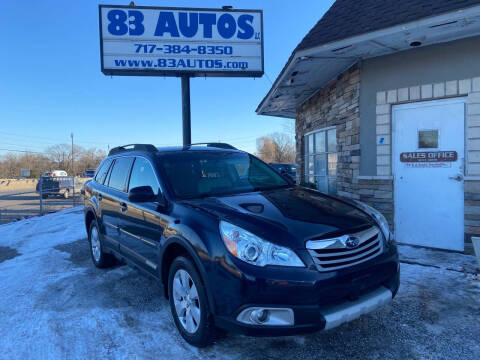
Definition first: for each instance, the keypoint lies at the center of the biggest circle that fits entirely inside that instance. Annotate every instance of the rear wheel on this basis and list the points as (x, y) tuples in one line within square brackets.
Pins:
[(100, 259), (188, 303)]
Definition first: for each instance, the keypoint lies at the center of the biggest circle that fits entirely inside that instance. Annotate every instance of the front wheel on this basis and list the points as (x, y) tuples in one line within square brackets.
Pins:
[(66, 194), (188, 303)]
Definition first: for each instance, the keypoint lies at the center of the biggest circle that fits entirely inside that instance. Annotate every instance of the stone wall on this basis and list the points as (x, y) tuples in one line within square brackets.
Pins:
[(337, 104)]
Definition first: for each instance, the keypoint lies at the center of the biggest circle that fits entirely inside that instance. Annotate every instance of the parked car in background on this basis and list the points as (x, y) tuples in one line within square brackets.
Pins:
[(64, 186), (289, 169), (59, 173), (235, 245), (89, 173)]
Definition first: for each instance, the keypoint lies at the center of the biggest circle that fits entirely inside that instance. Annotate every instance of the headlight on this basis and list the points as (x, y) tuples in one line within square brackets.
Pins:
[(253, 250), (380, 219)]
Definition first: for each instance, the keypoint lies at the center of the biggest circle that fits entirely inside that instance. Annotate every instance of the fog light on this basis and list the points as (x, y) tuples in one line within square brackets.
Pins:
[(259, 316), (266, 316)]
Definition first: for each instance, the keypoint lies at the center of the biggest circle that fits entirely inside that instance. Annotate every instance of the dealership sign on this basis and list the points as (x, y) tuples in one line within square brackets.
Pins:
[(163, 41), (428, 156)]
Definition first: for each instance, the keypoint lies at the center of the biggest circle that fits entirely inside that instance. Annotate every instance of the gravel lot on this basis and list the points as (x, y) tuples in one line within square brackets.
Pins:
[(56, 305)]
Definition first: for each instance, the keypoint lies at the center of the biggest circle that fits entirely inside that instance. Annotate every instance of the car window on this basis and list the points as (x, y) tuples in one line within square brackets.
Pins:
[(103, 171), (119, 173), (197, 174), (143, 175)]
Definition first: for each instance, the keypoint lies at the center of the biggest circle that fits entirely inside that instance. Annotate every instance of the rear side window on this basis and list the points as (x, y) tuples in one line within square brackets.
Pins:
[(103, 171), (119, 173), (143, 175)]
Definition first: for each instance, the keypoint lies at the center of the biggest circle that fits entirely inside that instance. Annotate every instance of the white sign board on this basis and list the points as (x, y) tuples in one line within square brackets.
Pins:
[(24, 172), (163, 41)]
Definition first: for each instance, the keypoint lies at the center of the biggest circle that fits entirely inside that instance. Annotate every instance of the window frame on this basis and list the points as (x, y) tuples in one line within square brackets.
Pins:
[(154, 172), (307, 156), (106, 161), (127, 178)]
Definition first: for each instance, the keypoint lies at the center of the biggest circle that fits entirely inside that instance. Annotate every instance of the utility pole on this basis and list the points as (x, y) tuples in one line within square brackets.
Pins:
[(73, 170)]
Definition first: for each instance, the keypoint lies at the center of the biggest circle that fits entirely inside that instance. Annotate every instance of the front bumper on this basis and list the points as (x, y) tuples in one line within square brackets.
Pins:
[(319, 300)]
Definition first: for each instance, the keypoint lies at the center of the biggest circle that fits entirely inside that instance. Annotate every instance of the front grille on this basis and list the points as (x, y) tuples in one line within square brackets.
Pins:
[(333, 253)]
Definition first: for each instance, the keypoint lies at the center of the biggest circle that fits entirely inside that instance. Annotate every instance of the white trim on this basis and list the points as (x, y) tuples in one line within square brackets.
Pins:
[(434, 20), (328, 82), (318, 130)]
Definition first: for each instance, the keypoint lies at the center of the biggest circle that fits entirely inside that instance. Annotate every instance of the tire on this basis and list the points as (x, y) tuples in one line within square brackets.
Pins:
[(66, 194), (198, 330), (100, 259), (44, 196)]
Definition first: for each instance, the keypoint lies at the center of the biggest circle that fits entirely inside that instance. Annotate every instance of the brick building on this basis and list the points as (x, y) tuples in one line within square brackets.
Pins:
[(386, 101)]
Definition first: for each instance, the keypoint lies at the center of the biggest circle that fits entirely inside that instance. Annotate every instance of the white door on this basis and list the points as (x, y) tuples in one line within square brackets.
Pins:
[(428, 168)]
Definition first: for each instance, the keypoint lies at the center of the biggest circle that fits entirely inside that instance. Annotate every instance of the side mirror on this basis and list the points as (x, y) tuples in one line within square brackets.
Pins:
[(287, 176), (141, 194)]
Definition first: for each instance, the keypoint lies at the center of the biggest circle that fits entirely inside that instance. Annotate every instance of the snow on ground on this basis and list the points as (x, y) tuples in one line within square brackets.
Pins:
[(55, 304)]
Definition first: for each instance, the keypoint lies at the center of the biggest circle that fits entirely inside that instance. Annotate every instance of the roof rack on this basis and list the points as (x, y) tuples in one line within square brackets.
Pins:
[(132, 147), (216, 144)]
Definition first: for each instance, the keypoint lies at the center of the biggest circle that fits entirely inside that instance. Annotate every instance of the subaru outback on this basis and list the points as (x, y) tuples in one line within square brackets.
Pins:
[(236, 245)]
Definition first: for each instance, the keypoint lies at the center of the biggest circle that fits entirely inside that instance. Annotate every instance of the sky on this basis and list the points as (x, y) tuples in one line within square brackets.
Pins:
[(51, 84)]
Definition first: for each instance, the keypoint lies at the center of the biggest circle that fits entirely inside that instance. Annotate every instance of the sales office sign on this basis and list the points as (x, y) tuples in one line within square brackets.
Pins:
[(163, 41)]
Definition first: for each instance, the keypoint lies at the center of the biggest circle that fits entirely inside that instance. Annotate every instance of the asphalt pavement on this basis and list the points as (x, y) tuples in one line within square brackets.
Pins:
[(17, 205)]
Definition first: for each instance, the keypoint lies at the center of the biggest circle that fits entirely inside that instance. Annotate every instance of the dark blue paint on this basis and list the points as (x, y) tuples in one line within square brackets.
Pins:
[(287, 216)]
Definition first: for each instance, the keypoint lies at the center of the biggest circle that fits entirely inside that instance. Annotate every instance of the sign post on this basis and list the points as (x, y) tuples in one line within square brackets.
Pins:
[(181, 42), (186, 115)]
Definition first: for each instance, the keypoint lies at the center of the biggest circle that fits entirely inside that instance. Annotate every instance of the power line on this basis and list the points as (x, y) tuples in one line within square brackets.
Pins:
[(55, 140), (268, 78), (24, 151), (6, 143)]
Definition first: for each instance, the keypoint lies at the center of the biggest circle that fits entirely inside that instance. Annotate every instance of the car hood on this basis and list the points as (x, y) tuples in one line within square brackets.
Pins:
[(289, 216)]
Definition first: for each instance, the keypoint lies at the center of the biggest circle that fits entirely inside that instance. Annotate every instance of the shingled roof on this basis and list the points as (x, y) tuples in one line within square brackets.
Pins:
[(348, 18), (352, 30)]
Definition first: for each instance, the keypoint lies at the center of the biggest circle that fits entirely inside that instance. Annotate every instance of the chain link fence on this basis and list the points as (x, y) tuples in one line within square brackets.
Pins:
[(49, 194)]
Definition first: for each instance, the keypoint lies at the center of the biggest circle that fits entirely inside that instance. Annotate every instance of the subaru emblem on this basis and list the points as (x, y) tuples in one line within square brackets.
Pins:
[(352, 242)]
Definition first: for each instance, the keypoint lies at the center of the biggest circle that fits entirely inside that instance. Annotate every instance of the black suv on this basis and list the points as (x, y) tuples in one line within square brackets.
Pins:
[(234, 244)]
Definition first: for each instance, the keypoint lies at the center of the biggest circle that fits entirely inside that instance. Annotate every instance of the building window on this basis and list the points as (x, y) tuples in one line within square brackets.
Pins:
[(321, 160), (428, 139)]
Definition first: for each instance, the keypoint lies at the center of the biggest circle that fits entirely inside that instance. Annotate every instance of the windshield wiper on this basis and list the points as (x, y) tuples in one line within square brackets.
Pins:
[(272, 188)]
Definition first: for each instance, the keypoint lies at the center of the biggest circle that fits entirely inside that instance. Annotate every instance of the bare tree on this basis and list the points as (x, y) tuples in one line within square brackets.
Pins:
[(56, 157), (60, 155), (276, 148)]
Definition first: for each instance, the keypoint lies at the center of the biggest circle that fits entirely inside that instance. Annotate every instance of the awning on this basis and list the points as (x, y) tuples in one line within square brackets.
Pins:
[(309, 70)]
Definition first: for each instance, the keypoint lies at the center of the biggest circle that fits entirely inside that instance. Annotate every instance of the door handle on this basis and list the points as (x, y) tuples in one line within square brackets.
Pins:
[(123, 207), (458, 177)]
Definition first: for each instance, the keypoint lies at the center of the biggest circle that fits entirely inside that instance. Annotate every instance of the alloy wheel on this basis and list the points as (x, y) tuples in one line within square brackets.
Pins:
[(95, 244), (186, 301)]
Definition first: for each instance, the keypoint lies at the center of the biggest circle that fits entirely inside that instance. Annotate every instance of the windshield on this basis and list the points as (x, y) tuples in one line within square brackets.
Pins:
[(213, 173), (289, 168)]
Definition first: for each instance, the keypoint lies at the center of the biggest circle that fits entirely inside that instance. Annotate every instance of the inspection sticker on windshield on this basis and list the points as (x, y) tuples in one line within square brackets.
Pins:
[(159, 41)]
